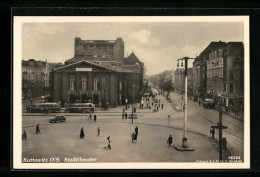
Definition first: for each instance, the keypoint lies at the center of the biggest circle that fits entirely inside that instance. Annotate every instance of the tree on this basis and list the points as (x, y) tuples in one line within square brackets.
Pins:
[(163, 80)]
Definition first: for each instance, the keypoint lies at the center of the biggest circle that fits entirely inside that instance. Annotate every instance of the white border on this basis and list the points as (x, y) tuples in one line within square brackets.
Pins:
[(17, 110)]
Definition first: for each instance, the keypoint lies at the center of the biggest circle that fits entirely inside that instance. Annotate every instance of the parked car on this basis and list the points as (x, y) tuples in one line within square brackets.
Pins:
[(208, 103), (57, 119)]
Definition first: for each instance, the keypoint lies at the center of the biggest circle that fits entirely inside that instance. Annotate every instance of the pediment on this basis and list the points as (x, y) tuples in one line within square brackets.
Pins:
[(83, 66)]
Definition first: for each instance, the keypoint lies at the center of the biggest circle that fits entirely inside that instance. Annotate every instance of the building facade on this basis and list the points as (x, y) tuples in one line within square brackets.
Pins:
[(190, 81), (35, 77), (215, 65), (233, 71), (199, 76), (98, 73), (219, 73), (173, 79), (179, 80)]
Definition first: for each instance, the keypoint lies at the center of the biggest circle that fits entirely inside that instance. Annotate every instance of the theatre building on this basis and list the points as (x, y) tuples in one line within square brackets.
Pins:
[(98, 76)]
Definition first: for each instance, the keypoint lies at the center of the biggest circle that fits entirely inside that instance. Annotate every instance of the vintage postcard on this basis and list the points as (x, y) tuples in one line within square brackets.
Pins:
[(131, 92)]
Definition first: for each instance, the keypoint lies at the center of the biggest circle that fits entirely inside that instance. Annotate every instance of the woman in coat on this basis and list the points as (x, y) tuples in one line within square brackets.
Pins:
[(170, 140), (81, 135), (37, 129)]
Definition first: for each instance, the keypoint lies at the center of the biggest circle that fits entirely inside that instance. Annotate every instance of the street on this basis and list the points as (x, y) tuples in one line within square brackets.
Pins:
[(62, 139), (200, 119)]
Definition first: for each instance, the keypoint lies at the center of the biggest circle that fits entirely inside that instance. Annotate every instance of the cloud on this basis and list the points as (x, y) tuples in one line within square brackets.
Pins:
[(143, 37)]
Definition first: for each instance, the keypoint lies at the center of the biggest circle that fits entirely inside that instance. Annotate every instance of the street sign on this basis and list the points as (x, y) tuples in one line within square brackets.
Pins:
[(217, 127)]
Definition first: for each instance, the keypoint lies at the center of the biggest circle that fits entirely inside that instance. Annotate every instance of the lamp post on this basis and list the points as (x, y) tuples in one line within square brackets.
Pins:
[(184, 139), (133, 103), (43, 87)]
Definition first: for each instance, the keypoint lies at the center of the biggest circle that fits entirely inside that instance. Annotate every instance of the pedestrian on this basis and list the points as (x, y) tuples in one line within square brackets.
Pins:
[(108, 145), (37, 129), (82, 134), (90, 115), (226, 109), (98, 131), (133, 136), (95, 117), (224, 142), (136, 130), (125, 115), (157, 108), (134, 109), (123, 110), (125, 107), (213, 133), (24, 135), (170, 140), (149, 107), (162, 106)]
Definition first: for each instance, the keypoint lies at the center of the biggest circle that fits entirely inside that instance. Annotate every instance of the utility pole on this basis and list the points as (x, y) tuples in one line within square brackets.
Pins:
[(220, 127), (220, 133), (184, 139)]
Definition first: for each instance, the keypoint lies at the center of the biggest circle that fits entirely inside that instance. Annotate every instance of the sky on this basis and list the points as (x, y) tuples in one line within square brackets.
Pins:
[(157, 44)]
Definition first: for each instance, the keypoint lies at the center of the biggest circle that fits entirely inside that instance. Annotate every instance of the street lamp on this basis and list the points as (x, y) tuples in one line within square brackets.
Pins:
[(184, 140), (43, 87), (133, 104)]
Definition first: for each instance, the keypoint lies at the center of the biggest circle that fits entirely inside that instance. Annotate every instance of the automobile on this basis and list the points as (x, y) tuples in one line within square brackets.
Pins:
[(208, 103), (57, 119)]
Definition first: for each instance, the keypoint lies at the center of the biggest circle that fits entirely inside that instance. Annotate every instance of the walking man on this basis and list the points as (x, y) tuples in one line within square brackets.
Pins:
[(24, 135), (170, 140), (213, 133), (95, 117), (224, 141), (98, 131), (133, 136), (162, 106), (81, 135), (125, 115), (37, 129), (136, 130)]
